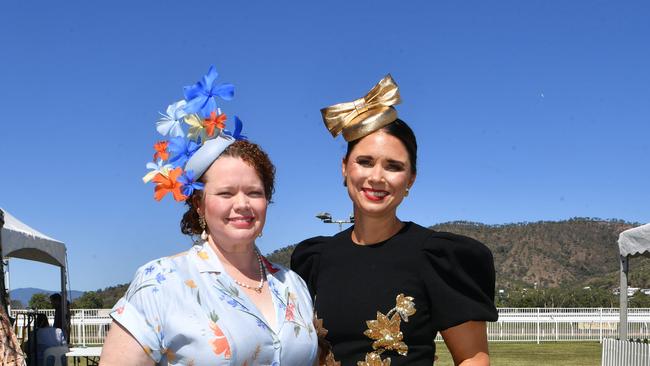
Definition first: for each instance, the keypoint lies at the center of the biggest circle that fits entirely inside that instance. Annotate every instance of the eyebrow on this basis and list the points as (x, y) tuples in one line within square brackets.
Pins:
[(398, 162), (391, 161)]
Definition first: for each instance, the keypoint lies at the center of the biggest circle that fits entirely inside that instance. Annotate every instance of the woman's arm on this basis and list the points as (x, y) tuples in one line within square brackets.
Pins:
[(467, 343), (121, 349)]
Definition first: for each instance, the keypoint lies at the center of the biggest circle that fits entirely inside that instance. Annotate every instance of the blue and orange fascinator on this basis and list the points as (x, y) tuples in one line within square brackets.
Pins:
[(196, 136)]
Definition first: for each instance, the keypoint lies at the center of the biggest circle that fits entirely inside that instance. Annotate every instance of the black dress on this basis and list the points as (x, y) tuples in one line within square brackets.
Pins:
[(450, 278)]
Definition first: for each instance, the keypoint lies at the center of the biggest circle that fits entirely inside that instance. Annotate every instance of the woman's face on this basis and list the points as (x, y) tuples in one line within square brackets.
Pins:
[(234, 202), (377, 173)]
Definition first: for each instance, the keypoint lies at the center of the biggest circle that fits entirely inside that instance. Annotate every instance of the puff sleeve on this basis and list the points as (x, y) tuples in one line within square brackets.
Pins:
[(459, 277), (141, 312), (305, 261)]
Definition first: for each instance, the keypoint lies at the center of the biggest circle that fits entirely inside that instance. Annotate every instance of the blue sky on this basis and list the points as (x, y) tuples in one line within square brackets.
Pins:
[(524, 111)]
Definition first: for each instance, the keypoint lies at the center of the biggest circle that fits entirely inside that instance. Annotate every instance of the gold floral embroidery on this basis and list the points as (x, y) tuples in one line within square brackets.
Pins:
[(325, 358), (374, 359), (386, 333), (405, 306)]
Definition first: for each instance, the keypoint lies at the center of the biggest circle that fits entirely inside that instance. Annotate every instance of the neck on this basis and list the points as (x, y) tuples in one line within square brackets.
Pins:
[(371, 230), (243, 258)]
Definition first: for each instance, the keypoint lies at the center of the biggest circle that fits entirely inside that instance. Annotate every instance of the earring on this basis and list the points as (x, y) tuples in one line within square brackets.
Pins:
[(259, 235), (204, 234), (406, 194)]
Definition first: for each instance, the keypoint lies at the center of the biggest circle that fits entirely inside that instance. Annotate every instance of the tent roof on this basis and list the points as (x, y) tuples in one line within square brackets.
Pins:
[(635, 241), (21, 241)]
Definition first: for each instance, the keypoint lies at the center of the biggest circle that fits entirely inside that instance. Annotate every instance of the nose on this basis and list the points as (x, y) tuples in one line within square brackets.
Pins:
[(376, 174), (241, 202)]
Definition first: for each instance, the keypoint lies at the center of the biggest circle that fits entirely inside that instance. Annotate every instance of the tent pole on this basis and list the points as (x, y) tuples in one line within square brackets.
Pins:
[(4, 295), (64, 305), (622, 325)]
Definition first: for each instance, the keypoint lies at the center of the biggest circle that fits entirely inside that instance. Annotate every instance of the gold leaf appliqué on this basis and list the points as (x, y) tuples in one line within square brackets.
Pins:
[(386, 333)]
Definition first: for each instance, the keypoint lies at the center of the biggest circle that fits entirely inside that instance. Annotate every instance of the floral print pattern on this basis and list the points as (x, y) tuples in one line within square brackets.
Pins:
[(186, 310)]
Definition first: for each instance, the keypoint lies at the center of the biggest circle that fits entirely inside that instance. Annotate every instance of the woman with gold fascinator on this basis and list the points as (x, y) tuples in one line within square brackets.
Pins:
[(385, 287)]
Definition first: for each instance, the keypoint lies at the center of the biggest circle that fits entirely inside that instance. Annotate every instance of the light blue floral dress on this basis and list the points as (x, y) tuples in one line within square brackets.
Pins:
[(186, 310)]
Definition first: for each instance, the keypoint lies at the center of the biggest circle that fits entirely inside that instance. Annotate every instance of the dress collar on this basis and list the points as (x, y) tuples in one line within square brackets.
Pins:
[(206, 260)]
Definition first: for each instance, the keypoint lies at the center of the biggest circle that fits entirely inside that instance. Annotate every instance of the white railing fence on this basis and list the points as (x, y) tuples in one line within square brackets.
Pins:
[(566, 324), (625, 353), (89, 326)]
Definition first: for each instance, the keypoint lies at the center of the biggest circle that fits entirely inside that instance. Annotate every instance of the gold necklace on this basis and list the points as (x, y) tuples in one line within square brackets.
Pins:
[(258, 288)]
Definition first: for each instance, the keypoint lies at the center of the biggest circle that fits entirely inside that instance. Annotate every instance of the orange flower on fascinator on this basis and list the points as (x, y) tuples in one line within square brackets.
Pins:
[(169, 184), (161, 150), (214, 121)]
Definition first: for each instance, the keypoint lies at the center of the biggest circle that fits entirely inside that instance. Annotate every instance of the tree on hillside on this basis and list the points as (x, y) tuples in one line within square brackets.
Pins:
[(89, 300), (17, 304), (40, 301), (639, 300), (110, 295)]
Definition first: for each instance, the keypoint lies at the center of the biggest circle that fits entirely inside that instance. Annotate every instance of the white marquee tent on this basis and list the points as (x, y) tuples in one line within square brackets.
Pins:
[(17, 240), (631, 242)]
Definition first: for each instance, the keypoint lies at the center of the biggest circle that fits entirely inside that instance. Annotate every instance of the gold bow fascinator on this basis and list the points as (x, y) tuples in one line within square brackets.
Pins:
[(365, 115)]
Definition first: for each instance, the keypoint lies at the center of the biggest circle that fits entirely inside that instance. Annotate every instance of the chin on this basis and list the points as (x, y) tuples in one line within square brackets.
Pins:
[(240, 237), (376, 210)]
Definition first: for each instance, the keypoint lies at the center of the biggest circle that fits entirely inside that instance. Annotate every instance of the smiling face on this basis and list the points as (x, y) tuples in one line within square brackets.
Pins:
[(234, 203), (377, 173)]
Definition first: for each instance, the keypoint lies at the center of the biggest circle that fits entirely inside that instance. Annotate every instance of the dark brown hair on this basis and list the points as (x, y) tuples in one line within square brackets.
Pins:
[(250, 153)]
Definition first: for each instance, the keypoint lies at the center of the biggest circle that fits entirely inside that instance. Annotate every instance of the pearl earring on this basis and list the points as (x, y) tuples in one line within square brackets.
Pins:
[(204, 234)]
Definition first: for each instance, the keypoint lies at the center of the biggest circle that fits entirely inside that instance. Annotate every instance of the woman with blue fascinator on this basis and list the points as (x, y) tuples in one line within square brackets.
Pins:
[(220, 302), (385, 287)]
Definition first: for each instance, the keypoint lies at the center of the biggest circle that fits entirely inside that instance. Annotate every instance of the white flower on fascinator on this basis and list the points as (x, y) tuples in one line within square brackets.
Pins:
[(170, 123), (156, 168)]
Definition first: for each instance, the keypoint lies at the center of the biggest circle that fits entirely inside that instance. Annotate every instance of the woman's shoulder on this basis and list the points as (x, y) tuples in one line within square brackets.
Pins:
[(314, 244), (160, 272), (285, 275), (276, 269), (311, 248), (459, 273), (446, 243)]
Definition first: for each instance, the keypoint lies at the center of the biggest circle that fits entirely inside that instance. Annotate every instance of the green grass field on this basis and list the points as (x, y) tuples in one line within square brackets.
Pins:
[(532, 354), (526, 354)]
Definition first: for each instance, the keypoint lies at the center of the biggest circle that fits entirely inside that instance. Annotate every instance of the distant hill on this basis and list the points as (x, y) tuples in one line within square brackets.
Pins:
[(569, 253), (565, 254), (110, 295), (25, 294)]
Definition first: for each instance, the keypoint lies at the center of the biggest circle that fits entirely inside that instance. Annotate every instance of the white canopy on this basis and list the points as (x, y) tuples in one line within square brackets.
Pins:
[(631, 242), (21, 241), (634, 241), (17, 240)]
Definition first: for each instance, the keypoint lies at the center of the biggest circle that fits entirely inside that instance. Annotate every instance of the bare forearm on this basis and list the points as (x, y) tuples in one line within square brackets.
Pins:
[(121, 349), (480, 359)]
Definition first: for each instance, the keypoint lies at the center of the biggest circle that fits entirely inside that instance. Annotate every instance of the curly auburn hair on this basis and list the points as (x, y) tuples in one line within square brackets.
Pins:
[(250, 153)]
